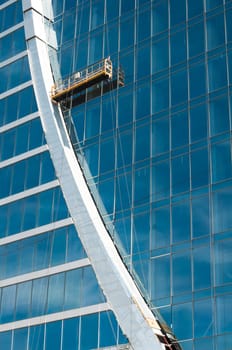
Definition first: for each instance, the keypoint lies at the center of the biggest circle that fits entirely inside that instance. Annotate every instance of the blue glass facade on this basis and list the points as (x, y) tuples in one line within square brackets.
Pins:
[(157, 159)]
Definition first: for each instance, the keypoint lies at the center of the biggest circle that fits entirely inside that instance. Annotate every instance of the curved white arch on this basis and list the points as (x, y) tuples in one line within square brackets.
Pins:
[(134, 316)]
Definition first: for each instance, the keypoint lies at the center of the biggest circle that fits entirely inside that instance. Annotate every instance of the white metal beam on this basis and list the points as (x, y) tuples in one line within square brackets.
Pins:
[(134, 316)]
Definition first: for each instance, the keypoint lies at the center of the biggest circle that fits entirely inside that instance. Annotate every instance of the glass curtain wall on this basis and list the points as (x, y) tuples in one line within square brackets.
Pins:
[(157, 151)]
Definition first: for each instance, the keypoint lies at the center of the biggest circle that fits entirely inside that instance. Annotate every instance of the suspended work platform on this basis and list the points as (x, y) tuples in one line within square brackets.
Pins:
[(79, 81)]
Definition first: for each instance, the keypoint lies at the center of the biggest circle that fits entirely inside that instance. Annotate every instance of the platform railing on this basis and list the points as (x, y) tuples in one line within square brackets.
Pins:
[(103, 67)]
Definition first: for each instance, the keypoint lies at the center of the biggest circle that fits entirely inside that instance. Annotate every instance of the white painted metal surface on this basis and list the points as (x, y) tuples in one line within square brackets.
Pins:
[(133, 314)]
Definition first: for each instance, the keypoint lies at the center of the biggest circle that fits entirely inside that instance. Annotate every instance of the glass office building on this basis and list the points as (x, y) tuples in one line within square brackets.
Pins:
[(129, 173)]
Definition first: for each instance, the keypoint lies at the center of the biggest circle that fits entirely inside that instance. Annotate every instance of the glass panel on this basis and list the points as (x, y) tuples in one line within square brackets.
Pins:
[(42, 252), (160, 236), (160, 136), (179, 129), (124, 149), (92, 120), (70, 334), (195, 8), (127, 27), (198, 123), (160, 55), (160, 180), (53, 336), (55, 293), (182, 321), (141, 229), (125, 107), (95, 47), (200, 168), (74, 246), (219, 115), (223, 262), (5, 340), (123, 192), (141, 186), (223, 313), (160, 95), (178, 47), (39, 297), (8, 304), (106, 192), (143, 25), (127, 5), (143, 62), (182, 275), (180, 174), (58, 247), (202, 267), (89, 324), (221, 161), (179, 87), (91, 294), (97, 14), (222, 218), (160, 270), (196, 36), (217, 73), (142, 142), (36, 338), (108, 329), (160, 17), (215, 31), (73, 289), (107, 155), (197, 78), (200, 216), (177, 11), (33, 171), (20, 339), (23, 300), (143, 101), (181, 222)]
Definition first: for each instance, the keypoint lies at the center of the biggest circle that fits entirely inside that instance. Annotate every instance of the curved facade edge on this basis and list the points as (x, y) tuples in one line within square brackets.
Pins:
[(133, 314)]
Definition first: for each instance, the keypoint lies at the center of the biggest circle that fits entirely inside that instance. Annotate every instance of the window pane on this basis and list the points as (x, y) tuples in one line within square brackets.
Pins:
[(160, 236), (223, 312), (221, 161), (160, 269), (202, 267), (182, 276), (219, 115), (181, 222), (180, 174), (20, 339), (23, 300), (182, 321), (53, 336), (36, 337), (160, 180), (215, 31), (89, 324), (70, 334), (223, 269), (39, 297), (200, 216), (55, 293), (222, 218), (200, 168), (8, 304), (180, 129)]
